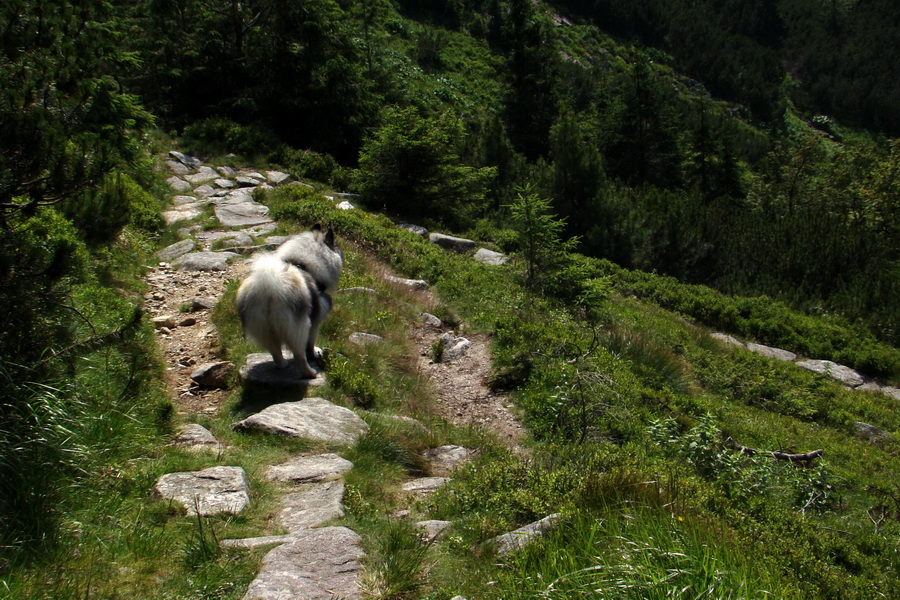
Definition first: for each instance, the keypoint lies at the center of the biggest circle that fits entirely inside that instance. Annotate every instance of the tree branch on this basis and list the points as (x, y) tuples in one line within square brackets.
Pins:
[(804, 457)]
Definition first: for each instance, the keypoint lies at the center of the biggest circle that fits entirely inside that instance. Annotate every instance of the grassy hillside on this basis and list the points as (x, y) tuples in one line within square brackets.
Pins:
[(642, 213)]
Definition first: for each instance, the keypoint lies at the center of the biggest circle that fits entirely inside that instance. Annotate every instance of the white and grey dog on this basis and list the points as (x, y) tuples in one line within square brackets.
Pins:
[(288, 294)]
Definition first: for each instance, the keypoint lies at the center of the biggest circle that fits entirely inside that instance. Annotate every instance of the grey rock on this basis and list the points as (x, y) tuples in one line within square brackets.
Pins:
[(345, 205), (225, 238), (208, 492), (225, 171), (242, 214), (319, 564), (433, 529), (424, 486), (178, 184), (770, 352), (845, 375), (213, 374), (202, 175), (454, 347), (871, 432), (259, 368), (510, 542), (431, 320), (311, 418), (260, 230), (224, 183), (727, 339), (245, 181), (250, 543), (205, 261), (416, 284), (277, 177), (177, 168), (416, 229), (449, 242), (167, 321), (491, 258), (196, 436), (309, 469), (198, 304), (188, 161), (175, 250), (205, 191), (183, 213), (360, 290), (891, 391), (346, 196), (361, 339), (444, 459), (179, 200), (187, 322), (314, 505)]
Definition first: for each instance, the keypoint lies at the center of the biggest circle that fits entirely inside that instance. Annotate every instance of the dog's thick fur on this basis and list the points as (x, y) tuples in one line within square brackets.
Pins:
[(288, 294)]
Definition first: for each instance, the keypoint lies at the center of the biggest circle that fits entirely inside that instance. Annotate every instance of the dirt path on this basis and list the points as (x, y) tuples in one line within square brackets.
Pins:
[(187, 339)]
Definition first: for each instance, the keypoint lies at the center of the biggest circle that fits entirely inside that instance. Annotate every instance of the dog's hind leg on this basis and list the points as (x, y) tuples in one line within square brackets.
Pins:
[(297, 342)]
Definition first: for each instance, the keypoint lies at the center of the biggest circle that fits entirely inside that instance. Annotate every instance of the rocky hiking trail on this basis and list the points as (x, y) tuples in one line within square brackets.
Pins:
[(310, 560)]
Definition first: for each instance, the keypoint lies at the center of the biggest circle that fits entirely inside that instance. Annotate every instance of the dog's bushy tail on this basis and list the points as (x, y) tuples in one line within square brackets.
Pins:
[(262, 293)]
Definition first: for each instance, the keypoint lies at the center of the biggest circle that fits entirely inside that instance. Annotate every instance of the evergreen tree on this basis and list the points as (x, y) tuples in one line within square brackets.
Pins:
[(64, 121)]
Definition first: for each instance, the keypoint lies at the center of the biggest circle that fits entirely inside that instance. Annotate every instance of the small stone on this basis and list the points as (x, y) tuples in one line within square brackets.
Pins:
[(167, 321), (424, 485), (490, 258), (198, 304), (444, 459), (175, 250), (416, 284), (178, 184), (205, 191), (431, 320), (361, 339), (433, 529), (454, 347), (416, 229), (245, 181), (187, 322), (345, 205), (195, 436), (871, 432), (213, 374), (225, 171), (521, 537), (277, 177), (189, 161)]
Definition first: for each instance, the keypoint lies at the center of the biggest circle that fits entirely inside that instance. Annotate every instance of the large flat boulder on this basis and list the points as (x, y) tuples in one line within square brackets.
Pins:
[(310, 468), (259, 368), (313, 505), (242, 214), (319, 564), (208, 492), (770, 352), (205, 261), (845, 375), (311, 418)]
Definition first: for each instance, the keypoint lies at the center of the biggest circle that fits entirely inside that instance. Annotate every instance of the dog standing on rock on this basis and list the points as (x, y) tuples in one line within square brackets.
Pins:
[(288, 294)]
